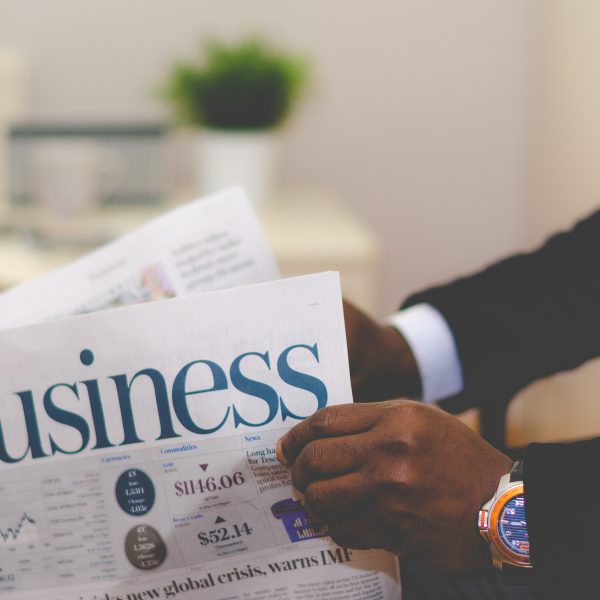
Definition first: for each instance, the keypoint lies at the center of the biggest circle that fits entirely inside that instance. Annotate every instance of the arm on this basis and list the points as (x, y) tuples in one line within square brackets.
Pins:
[(521, 319), (526, 317)]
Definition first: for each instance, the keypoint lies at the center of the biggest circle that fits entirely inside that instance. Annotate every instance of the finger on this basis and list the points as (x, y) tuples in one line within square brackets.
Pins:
[(339, 498), (343, 419), (369, 530), (329, 457), (361, 533)]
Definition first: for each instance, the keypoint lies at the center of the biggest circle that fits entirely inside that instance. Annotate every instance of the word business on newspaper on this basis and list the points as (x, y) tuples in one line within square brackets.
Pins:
[(172, 410)]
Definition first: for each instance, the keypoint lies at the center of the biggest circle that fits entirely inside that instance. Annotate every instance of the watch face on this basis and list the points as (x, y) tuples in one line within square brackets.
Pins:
[(512, 526)]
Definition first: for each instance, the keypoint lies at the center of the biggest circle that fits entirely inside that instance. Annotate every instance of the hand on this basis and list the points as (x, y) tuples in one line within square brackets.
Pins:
[(397, 475), (382, 365)]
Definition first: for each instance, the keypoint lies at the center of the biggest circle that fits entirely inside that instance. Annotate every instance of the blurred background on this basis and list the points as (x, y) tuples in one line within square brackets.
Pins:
[(431, 137)]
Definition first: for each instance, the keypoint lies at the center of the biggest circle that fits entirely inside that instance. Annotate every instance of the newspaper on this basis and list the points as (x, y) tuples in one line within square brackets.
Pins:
[(137, 451), (209, 244), (91, 514)]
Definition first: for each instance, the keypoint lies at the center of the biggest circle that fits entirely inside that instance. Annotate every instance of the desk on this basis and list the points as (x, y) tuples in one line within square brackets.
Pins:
[(308, 231)]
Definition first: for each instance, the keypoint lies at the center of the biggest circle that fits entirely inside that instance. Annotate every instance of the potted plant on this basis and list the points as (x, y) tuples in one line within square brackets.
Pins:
[(239, 95)]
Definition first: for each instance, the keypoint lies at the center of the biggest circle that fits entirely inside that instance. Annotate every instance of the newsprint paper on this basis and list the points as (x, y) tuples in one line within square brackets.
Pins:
[(209, 244), (137, 445)]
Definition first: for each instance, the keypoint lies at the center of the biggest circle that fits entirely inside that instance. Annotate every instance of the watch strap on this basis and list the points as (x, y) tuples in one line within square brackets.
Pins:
[(512, 575), (516, 473)]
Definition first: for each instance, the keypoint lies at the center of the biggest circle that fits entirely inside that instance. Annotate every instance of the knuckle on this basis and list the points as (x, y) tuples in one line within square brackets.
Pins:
[(406, 409), (294, 436), (322, 421), (411, 479), (298, 479), (315, 497), (355, 452), (293, 443), (307, 466), (401, 441), (311, 457), (415, 439), (396, 445), (391, 479)]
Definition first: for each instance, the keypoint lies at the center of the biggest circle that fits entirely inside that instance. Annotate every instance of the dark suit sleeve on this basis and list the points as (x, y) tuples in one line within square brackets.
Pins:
[(526, 317), (562, 491)]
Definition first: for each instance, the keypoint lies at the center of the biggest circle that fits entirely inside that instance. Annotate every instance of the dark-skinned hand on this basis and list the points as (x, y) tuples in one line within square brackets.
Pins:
[(397, 475), (382, 365)]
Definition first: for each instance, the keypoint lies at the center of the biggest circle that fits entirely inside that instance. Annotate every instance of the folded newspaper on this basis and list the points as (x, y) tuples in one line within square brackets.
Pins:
[(137, 445)]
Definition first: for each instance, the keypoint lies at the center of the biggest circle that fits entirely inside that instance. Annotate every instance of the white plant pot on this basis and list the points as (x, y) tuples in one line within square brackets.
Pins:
[(238, 158)]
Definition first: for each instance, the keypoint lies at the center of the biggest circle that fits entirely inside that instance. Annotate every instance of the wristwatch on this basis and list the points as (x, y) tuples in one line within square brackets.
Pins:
[(503, 524)]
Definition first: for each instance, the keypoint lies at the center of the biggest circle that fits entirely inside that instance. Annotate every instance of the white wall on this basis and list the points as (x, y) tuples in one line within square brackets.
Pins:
[(417, 117), (565, 178), (564, 186)]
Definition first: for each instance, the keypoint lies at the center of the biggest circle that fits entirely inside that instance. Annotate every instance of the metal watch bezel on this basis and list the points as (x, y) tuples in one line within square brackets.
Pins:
[(488, 526)]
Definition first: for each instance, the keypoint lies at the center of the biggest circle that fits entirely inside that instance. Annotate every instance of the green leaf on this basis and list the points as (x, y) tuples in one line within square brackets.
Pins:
[(248, 85)]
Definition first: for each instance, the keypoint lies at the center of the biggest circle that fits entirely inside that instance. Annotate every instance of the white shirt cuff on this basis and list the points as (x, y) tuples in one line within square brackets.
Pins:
[(434, 349)]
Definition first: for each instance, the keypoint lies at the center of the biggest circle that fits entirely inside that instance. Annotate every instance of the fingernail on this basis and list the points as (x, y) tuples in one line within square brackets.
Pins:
[(280, 455)]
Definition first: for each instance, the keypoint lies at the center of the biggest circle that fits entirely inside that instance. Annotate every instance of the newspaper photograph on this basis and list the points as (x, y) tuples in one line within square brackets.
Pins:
[(137, 447), (209, 244)]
